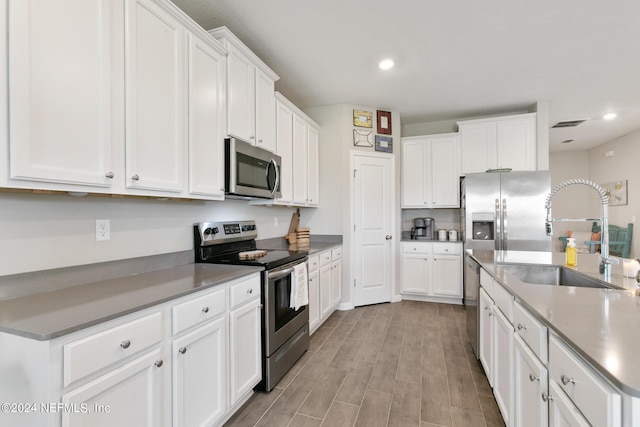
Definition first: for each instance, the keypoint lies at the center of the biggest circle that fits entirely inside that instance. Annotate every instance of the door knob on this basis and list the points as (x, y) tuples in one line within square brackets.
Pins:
[(387, 237)]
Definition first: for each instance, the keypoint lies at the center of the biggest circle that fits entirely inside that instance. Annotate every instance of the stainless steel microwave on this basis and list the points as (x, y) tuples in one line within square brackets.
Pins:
[(250, 171)]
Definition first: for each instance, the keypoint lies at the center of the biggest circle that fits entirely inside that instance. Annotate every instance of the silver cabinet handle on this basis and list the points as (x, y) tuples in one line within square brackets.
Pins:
[(158, 363), (546, 397), (259, 141), (252, 137), (205, 310), (250, 290), (135, 178), (182, 350), (566, 380), (387, 237), (521, 327), (109, 175), (125, 344), (533, 378)]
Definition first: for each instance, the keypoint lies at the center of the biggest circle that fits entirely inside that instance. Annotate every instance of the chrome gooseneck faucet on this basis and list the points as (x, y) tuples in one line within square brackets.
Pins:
[(605, 263)]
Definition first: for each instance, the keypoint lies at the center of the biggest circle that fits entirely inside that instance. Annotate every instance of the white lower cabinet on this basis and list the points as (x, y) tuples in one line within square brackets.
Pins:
[(503, 365), (486, 335), (188, 362), (432, 271), (530, 384), (325, 285), (563, 413)]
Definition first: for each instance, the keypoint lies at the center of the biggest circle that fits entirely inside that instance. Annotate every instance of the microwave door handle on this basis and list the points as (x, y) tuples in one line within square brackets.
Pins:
[(277, 183)]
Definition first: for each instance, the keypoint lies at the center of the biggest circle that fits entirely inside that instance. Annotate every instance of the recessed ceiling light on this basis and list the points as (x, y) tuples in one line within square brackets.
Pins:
[(609, 116), (386, 64)]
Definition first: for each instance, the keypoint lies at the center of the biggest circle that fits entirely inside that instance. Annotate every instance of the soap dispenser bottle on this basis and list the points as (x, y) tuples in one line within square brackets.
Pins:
[(571, 253)]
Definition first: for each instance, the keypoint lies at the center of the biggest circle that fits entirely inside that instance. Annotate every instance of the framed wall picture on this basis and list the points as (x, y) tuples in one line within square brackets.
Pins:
[(384, 144), (617, 192), (384, 122), (362, 138), (363, 119)]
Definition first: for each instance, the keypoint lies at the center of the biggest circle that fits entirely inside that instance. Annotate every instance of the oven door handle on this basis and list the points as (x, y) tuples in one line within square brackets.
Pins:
[(280, 273)]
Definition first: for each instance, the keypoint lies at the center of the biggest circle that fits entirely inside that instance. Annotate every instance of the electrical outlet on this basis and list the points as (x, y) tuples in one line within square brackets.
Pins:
[(103, 230)]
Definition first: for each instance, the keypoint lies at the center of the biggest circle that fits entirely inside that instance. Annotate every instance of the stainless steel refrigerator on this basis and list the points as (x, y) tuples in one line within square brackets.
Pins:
[(505, 211)]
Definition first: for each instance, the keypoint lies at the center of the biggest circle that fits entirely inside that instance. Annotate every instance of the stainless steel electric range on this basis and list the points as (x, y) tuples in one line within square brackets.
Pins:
[(285, 331)]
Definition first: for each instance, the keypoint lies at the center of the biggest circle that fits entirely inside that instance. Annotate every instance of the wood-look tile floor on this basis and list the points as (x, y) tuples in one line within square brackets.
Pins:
[(403, 364)]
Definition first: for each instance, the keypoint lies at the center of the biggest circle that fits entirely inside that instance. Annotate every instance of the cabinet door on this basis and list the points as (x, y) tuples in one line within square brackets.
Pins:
[(313, 179), (284, 149), (447, 280), (414, 186), (300, 159), (486, 335), (61, 85), (240, 96), (415, 274), (207, 73), (503, 365), (445, 172), (245, 353), (478, 146), (200, 375), (562, 412), (156, 109), (516, 143), (131, 395), (314, 301), (265, 114), (530, 381), (326, 301), (336, 282)]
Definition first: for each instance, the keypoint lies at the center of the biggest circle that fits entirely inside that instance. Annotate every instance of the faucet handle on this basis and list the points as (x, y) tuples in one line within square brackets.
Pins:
[(610, 260)]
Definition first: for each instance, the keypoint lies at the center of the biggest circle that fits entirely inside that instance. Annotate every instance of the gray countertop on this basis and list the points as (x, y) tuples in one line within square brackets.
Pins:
[(317, 244), (602, 325), (47, 315)]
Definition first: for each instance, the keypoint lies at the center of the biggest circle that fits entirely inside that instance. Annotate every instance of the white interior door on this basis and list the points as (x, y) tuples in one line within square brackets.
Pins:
[(373, 200)]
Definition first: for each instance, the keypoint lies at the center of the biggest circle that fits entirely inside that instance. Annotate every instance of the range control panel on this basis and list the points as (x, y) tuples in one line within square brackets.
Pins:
[(215, 232)]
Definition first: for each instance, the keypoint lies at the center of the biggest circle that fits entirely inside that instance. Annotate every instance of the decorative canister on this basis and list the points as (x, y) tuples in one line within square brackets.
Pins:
[(442, 235), (453, 235)]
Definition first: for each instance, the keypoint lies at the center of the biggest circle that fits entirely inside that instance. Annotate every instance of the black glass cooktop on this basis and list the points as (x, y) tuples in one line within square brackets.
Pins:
[(272, 259)]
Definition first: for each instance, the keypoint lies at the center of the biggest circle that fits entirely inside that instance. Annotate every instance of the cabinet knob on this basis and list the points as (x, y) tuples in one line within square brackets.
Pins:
[(125, 344), (252, 137), (387, 237), (566, 380), (259, 141), (109, 175), (205, 310), (521, 327), (135, 178), (158, 363), (533, 378), (546, 397), (182, 350)]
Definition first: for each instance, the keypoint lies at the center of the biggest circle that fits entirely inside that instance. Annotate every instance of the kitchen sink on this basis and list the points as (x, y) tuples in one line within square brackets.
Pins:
[(553, 275)]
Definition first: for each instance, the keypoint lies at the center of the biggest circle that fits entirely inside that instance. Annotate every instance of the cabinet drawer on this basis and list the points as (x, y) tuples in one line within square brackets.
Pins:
[(325, 258), (198, 310), (416, 248), (531, 330), (88, 355), (447, 249), (313, 263), (336, 253), (504, 300), (486, 281), (244, 291), (597, 401)]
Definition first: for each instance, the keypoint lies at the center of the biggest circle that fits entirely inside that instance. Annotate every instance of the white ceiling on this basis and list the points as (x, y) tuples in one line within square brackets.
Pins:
[(454, 58)]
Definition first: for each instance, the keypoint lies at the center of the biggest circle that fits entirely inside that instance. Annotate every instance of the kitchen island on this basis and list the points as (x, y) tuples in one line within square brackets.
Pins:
[(599, 325)]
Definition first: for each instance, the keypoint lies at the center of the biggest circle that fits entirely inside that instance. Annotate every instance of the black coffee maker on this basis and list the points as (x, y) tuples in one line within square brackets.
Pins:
[(423, 229)]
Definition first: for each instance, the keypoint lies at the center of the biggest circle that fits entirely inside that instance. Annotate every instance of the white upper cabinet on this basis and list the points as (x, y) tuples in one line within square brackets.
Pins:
[(62, 73), (250, 93), (313, 167), (207, 78), (155, 98), (284, 149), (498, 142), (431, 171)]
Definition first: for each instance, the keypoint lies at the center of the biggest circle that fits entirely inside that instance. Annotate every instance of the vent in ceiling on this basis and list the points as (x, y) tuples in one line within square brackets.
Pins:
[(566, 141), (568, 124)]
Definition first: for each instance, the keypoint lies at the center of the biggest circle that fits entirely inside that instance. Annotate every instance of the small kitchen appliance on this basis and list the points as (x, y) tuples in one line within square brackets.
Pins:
[(250, 171), (285, 331), (423, 229)]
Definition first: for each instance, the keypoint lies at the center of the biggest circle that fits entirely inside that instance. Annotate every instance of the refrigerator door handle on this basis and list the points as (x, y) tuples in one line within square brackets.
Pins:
[(498, 224), (505, 237)]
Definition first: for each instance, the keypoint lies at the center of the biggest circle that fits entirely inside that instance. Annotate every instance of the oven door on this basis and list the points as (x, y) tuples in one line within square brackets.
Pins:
[(281, 322)]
